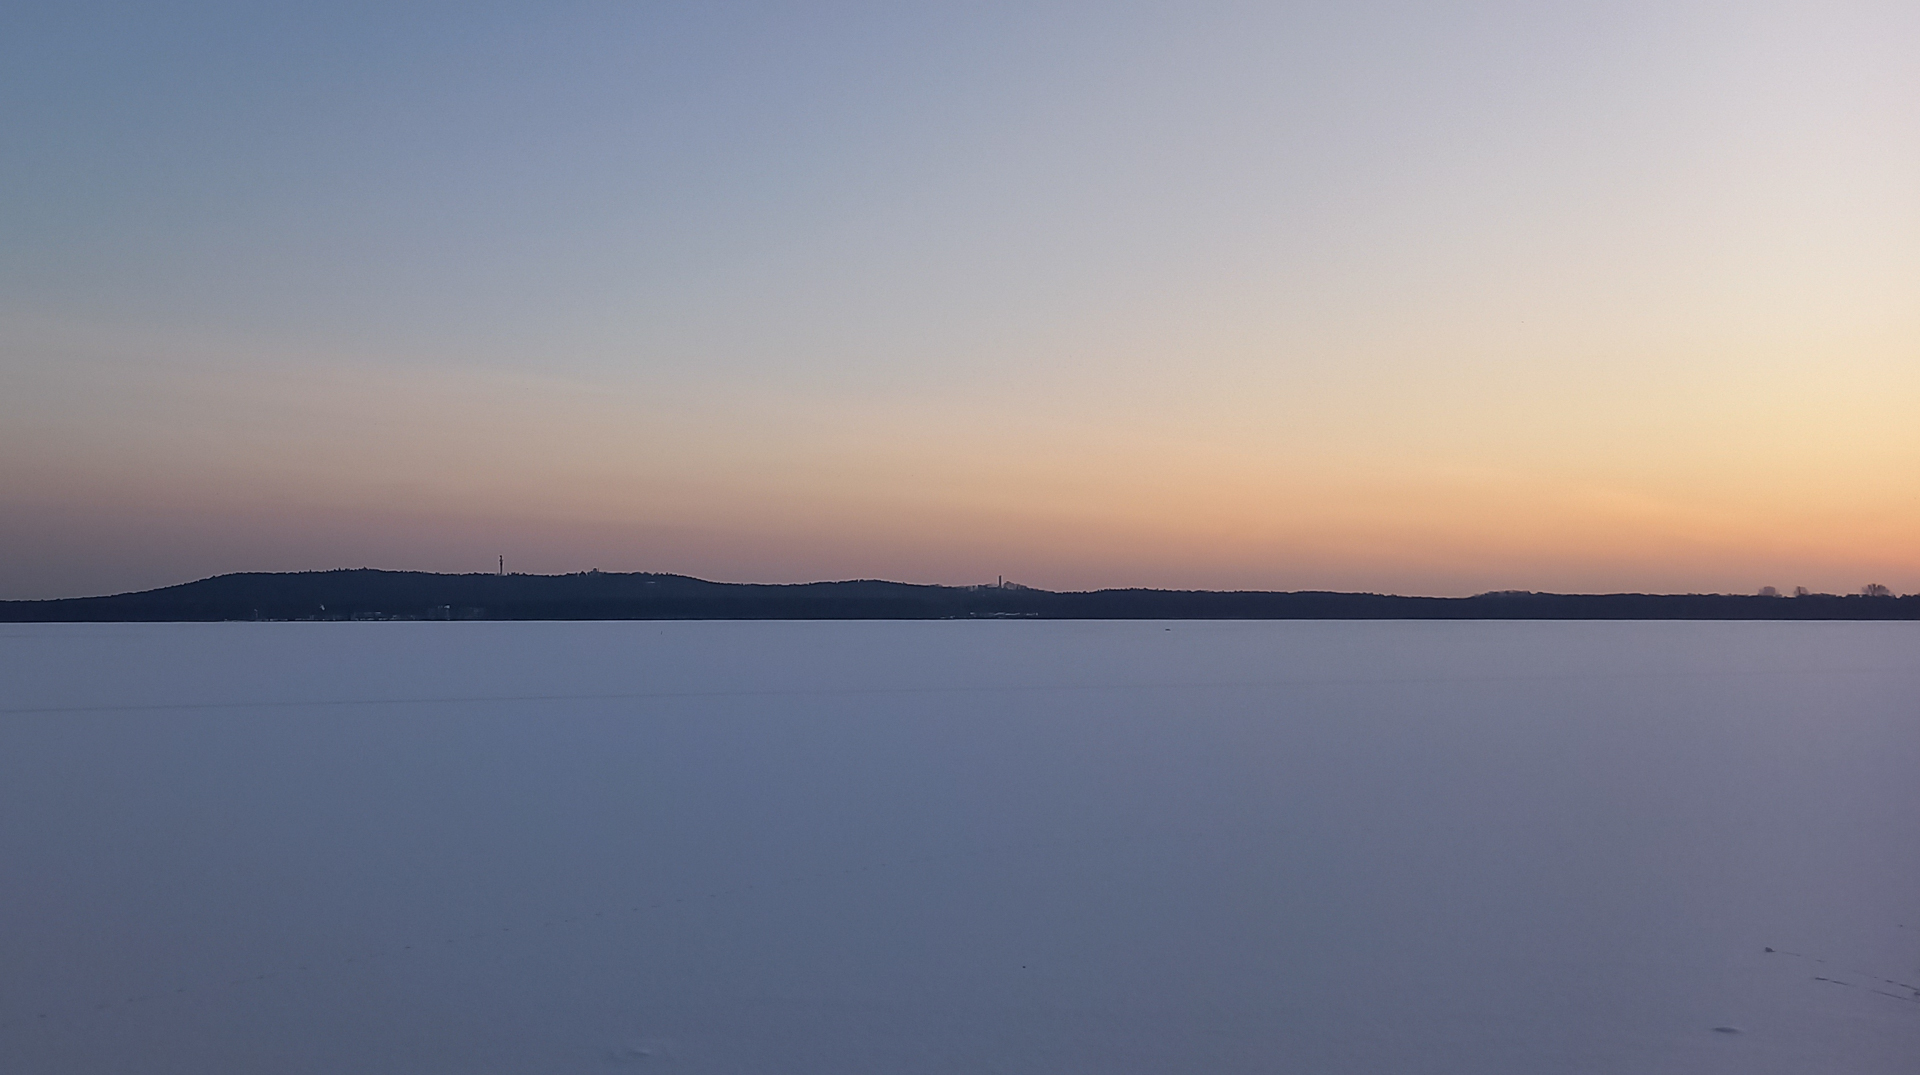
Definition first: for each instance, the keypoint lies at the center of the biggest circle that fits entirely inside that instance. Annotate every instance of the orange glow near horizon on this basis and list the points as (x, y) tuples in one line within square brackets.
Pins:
[(358, 468)]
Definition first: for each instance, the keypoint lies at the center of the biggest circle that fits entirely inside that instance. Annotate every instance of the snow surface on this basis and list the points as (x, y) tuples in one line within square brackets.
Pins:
[(1038, 847)]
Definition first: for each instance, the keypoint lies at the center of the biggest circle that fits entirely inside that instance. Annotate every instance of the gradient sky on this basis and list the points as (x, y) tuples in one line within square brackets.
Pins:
[(1406, 297)]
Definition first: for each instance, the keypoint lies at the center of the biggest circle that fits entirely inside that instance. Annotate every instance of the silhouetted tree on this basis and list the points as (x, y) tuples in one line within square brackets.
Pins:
[(1874, 589), (1768, 591)]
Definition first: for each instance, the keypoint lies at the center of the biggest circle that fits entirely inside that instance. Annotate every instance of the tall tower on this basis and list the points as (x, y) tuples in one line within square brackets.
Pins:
[(503, 563)]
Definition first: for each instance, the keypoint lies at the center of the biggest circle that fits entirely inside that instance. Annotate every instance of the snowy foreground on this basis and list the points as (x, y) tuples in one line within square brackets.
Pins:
[(862, 847)]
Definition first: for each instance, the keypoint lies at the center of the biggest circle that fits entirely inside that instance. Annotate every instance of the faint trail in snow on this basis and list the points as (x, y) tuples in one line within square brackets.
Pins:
[(1913, 991)]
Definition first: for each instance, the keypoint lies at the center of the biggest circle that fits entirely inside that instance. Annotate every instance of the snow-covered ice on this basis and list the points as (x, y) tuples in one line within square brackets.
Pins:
[(875, 847)]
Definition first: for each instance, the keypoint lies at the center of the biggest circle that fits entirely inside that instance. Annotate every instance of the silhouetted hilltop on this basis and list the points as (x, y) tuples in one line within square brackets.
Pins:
[(595, 595)]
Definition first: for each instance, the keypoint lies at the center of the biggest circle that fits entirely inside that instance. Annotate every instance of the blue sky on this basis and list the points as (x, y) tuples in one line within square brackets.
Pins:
[(1379, 296)]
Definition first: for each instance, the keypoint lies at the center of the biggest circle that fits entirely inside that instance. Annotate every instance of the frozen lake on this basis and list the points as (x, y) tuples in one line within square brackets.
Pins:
[(882, 847)]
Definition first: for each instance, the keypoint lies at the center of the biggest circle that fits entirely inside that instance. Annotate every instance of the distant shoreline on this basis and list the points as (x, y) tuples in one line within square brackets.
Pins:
[(368, 594)]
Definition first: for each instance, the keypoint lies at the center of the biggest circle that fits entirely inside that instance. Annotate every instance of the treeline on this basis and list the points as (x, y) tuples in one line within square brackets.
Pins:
[(370, 594)]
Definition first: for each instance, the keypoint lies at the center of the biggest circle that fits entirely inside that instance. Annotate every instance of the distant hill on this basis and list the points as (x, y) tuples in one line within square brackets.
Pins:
[(418, 595)]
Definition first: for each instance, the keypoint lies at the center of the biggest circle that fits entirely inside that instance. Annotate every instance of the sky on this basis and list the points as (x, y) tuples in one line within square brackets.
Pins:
[(1402, 297)]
